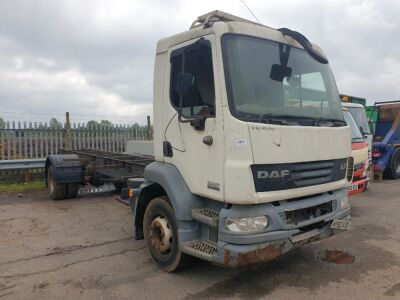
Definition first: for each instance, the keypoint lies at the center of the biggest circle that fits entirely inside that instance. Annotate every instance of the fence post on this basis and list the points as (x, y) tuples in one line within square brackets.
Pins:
[(148, 128), (68, 136)]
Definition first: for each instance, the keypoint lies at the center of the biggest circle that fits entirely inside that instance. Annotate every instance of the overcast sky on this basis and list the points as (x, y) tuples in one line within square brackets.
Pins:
[(94, 58)]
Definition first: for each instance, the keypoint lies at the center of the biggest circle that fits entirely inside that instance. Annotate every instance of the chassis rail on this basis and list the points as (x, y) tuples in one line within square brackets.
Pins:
[(98, 160), (71, 170)]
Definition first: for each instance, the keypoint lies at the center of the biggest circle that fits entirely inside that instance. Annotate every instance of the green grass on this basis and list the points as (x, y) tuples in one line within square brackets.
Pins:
[(21, 187)]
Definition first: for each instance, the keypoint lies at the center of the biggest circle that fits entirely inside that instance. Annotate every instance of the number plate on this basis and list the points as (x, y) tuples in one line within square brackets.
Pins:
[(352, 187), (340, 224)]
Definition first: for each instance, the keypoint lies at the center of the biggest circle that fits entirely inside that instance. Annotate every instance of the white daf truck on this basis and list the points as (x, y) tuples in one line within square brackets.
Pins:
[(252, 155), (251, 151)]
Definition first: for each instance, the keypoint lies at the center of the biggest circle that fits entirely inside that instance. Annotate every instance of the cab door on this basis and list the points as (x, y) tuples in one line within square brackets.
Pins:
[(194, 117)]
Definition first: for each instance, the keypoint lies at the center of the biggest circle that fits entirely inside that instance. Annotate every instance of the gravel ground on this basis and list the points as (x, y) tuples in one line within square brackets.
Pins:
[(83, 249)]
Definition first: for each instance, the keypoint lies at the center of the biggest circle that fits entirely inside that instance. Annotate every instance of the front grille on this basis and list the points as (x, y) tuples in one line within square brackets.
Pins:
[(350, 169), (274, 177), (311, 174), (304, 214)]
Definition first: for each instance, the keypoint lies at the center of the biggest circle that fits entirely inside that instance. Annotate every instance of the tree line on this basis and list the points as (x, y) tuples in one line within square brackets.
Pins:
[(55, 124)]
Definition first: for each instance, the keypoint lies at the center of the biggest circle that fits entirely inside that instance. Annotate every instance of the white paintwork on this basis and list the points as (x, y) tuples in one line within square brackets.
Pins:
[(140, 148), (368, 137), (227, 162)]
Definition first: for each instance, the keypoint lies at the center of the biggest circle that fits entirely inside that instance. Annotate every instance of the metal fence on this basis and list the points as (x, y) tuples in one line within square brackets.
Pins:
[(36, 140)]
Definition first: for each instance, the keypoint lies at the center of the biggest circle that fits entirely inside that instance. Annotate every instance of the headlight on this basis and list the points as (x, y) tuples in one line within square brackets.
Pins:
[(366, 166), (246, 225), (344, 203)]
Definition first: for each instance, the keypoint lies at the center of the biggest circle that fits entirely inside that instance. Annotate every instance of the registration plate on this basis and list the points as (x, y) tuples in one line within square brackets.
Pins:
[(352, 187), (340, 224)]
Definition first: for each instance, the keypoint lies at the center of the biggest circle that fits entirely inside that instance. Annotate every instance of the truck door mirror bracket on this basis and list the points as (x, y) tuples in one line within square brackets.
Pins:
[(198, 124)]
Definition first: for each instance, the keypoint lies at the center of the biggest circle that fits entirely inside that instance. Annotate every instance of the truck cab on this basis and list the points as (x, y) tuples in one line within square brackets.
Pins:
[(359, 153), (359, 114), (386, 146), (252, 153)]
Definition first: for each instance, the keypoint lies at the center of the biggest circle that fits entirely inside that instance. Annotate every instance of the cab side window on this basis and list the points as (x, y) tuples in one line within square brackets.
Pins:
[(195, 59)]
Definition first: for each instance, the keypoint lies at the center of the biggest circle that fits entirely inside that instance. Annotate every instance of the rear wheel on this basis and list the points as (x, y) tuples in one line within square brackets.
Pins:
[(393, 169), (72, 190), (161, 235), (119, 186), (57, 191)]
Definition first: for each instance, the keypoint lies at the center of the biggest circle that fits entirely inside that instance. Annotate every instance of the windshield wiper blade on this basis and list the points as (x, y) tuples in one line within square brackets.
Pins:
[(271, 119), (291, 117), (336, 122), (284, 119)]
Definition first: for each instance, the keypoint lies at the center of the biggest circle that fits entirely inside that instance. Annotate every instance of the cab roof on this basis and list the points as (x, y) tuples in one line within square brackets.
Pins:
[(219, 23)]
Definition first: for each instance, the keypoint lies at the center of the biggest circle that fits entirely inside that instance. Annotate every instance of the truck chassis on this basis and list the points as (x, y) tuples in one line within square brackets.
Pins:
[(66, 172)]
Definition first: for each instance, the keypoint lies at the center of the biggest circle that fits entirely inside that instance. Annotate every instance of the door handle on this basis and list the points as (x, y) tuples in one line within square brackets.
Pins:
[(208, 140)]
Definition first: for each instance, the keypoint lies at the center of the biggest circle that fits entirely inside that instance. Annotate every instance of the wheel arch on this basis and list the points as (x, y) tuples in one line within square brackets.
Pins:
[(163, 179), (71, 168)]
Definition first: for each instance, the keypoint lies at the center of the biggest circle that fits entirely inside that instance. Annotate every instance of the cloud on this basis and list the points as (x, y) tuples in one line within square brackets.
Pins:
[(96, 57)]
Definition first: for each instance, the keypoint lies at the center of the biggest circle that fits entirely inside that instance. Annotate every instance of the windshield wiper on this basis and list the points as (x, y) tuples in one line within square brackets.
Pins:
[(357, 140), (336, 122), (282, 119), (271, 119)]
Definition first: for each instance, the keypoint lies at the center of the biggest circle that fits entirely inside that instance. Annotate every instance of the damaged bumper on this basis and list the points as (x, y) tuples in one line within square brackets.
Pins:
[(243, 255), (290, 226)]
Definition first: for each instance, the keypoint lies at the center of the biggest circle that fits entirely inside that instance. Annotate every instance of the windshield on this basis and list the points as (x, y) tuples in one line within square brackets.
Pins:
[(360, 117), (267, 80), (356, 135)]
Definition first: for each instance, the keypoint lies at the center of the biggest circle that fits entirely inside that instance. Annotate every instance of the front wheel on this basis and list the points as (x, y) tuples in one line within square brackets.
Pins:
[(161, 235)]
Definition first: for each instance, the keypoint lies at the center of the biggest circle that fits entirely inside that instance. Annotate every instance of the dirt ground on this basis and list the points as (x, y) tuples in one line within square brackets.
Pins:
[(83, 249)]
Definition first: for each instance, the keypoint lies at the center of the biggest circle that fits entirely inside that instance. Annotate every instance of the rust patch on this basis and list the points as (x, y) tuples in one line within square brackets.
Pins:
[(337, 257), (258, 256), (227, 258)]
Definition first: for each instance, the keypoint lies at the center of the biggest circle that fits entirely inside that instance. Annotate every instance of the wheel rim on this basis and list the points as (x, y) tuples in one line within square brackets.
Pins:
[(51, 186), (161, 234)]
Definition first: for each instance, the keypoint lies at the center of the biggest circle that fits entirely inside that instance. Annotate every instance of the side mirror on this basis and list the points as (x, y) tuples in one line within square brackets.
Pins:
[(184, 83), (279, 72)]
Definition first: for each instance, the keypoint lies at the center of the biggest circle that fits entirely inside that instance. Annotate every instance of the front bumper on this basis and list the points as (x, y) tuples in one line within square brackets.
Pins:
[(234, 255), (357, 187)]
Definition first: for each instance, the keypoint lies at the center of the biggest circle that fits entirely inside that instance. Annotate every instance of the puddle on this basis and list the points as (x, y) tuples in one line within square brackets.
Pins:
[(337, 257)]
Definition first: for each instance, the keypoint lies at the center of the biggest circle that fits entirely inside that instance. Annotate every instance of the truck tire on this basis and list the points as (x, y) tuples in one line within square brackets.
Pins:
[(119, 186), (392, 171), (72, 190), (57, 191), (160, 230)]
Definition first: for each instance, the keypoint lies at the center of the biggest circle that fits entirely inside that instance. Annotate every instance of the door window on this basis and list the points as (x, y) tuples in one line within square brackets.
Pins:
[(195, 59)]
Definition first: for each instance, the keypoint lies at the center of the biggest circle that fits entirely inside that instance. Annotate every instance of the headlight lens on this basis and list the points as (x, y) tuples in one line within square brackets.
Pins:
[(344, 203), (365, 173), (241, 225)]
